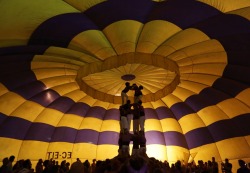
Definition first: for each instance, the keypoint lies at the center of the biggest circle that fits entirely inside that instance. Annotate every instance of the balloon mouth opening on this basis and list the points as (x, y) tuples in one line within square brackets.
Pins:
[(130, 67), (128, 77)]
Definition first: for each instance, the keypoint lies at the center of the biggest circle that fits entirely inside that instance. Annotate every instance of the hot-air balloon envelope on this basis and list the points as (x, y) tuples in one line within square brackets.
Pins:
[(65, 63)]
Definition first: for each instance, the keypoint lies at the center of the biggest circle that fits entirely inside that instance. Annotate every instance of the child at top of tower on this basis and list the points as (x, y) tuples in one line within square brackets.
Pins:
[(138, 92), (124, 92)]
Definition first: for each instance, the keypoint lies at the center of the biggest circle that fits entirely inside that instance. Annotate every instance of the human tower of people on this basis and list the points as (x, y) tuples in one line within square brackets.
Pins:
[(128, 112)]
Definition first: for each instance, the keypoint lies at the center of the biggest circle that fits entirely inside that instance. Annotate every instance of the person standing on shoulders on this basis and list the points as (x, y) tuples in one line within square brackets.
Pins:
[(124, 111), (142, 116), (138, 92), (124, 92)]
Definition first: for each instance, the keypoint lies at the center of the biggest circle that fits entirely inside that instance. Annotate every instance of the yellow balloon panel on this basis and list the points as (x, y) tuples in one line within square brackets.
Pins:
[(154, 33), (75, 95), (148, 105), (70, 120), (212, 114), (247, 139), (181, 40), (178, 55), (84, 151), (182, 93), (157, 151), (16, 28), (211, 57), (54, 118), (9, 147), (197, 49), (123, 38), (243, 96), (91, 123), (102, 104), (192, 86), (110, 125), (200, 78), (100, 81), (153, 125), (94, 42), (51, 64), (50, 73), (191, 122), (83, 4), (205, 153), (59, 150), (9, 102), (3, 89), (175, 153), (228, 146), (49, 60), (69, 54), (88, 100), (186, 69), (212, 69), (33, 150), (242, 12), (164, 50), (29, 110), (106, 151), (66, 88), (58, 80), (113, 106), (218, 57), (227, 6), (156, 104), (233, 107), (170, 124), (170, 100)]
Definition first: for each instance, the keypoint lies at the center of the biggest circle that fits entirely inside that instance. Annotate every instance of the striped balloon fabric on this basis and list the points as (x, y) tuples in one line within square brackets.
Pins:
[(63, 65)]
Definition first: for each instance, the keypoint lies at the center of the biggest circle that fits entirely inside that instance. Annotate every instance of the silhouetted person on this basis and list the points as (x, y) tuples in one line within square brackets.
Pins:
[(136, 144), (142, 116), (55, 168), (226, 167), (10, 164), (77, 167), (18, 165), (243, 167), (124, 92), (136, 117), (138, 92), (39, 166), (214, 165), (27, 167), (4, 168), (142, 144), (135, 164), (124, 111), (93, 166), (67, 167), (86, 166), (63, 167), (126, 137)]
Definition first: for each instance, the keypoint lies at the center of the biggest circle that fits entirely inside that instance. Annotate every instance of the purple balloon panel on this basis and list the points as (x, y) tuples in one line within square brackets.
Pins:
[(87, 136)]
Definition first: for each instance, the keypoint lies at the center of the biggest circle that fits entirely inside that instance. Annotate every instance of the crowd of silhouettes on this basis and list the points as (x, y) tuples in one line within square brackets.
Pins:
[(122, 163)]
